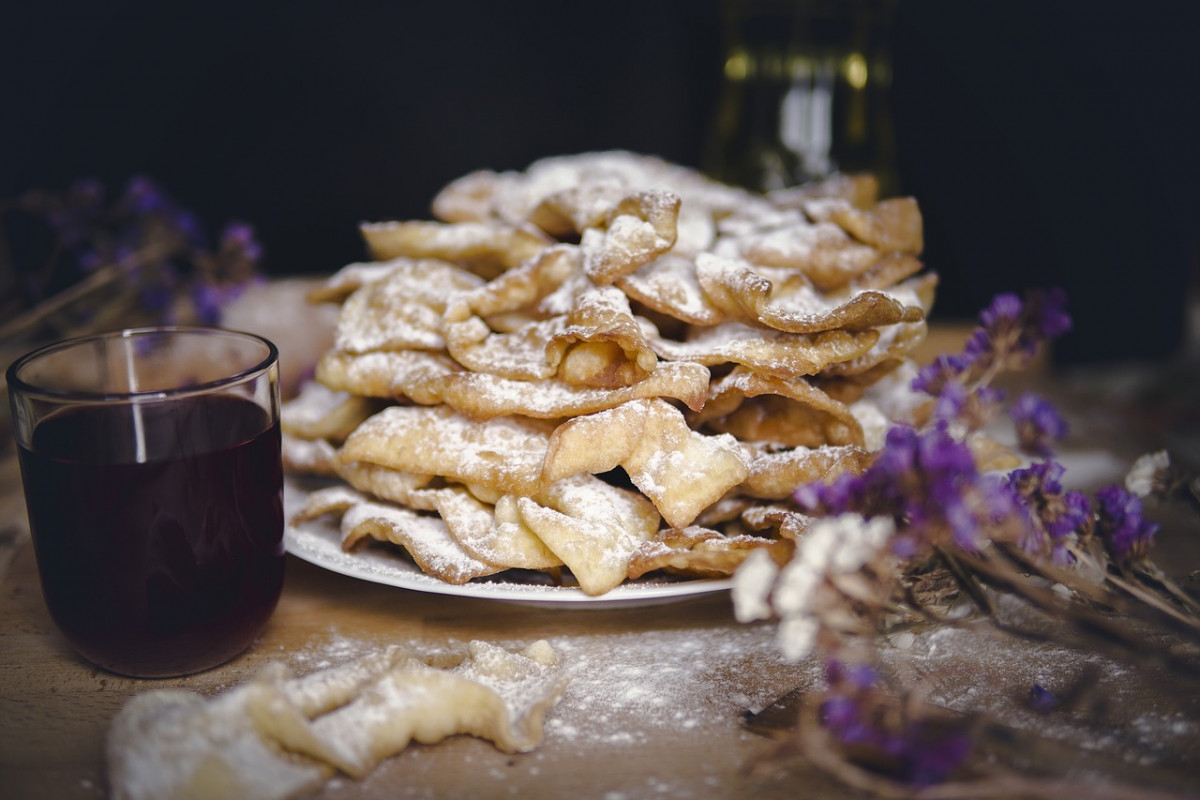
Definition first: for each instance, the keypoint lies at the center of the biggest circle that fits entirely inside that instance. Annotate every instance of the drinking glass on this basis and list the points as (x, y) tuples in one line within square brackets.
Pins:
[(153, 482)]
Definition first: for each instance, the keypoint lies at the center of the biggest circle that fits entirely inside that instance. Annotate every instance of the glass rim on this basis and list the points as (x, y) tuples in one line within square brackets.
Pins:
[(18, 385)]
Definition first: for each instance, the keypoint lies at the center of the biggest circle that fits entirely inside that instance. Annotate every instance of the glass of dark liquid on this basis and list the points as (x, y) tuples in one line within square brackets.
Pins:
[(154, 487)]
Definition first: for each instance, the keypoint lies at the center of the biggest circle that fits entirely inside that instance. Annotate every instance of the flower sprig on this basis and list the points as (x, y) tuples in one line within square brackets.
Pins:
[(931, 511), (916, 749), (136, 258)]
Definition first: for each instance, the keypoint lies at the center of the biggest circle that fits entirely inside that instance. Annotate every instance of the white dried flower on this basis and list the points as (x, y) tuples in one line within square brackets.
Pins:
[(752, 587), (1148, 474), (798, 637), (832, 546)]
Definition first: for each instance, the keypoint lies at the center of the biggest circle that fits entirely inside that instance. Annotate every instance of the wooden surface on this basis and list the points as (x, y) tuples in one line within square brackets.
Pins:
[(669, 720), (658, 693)]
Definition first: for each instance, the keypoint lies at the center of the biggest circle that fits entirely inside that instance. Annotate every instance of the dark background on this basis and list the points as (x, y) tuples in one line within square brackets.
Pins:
[(1048, 143)]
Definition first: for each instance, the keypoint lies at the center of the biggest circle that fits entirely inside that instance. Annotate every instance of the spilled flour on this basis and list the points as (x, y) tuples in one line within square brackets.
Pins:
[(686, 682), (627, 687), (628, 690), (1125, 714)]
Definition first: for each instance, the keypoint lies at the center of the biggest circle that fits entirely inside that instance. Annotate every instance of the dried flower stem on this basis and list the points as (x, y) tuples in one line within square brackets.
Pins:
[(814, 742), (138, 259), (80, 289), (1107, 630), (960, 530)]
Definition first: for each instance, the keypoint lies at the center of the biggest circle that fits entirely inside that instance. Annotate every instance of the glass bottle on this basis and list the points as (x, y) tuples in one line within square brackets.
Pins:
[(805, 93)]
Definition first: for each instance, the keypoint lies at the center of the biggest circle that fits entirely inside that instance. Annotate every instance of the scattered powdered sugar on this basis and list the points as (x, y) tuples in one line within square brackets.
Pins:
[(426, 537), (1124, 715), (875, 424), (670, 282), (500, 451), (797, 242), (332, 650), (625, 688)]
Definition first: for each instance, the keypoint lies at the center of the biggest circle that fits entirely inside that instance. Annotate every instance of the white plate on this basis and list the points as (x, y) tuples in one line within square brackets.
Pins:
[(319, 542)]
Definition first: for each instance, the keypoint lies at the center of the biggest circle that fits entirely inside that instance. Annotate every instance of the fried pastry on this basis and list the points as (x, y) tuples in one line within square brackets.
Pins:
[(279, 736), (680, 470), (607, 365)]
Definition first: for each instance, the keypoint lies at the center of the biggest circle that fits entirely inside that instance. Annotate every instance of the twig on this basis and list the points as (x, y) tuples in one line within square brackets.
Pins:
[(1084, 620), (967, 581), (1153, 573), (97, 279)]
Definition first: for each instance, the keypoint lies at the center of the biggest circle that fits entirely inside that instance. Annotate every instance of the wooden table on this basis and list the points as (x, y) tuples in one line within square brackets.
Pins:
[(658, 693), (654, 707)]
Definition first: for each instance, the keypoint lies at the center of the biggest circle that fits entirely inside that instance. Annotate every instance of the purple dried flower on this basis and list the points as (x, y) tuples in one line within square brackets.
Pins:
[(998, 333), (989, 397), (1039, 425), (188, 226), (962, 523), (1042, 699), (964, 410), (239, 235), (918, 751), (1051, 513), (899, 452), (1120, 525), (207, 300), (951, 402), (935, 751), (156, 298), (158, 249), (1041, 478), (1012, 330), (239, 250), (839, 713), (857, 676), (74, 217), (928, 483), (149, 214), (940, 454), (832, 495), (143, 196), (1048, 313), (944, 370), (979, 348), (1003, 312), (89, 260), (1076, 515)]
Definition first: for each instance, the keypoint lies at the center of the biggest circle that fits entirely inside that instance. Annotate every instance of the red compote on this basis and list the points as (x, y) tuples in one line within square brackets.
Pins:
[(158, 529)]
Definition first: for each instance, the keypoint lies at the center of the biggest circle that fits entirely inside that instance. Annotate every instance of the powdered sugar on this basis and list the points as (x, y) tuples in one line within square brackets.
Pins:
[(980, 671), (693, 684), (625, 688), (427, 538)]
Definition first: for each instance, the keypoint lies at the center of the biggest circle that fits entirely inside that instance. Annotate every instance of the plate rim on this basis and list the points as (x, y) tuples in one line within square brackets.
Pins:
[(318, 542)]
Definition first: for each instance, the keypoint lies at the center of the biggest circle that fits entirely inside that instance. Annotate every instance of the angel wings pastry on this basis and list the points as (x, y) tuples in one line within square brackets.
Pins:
[(607, 365)]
